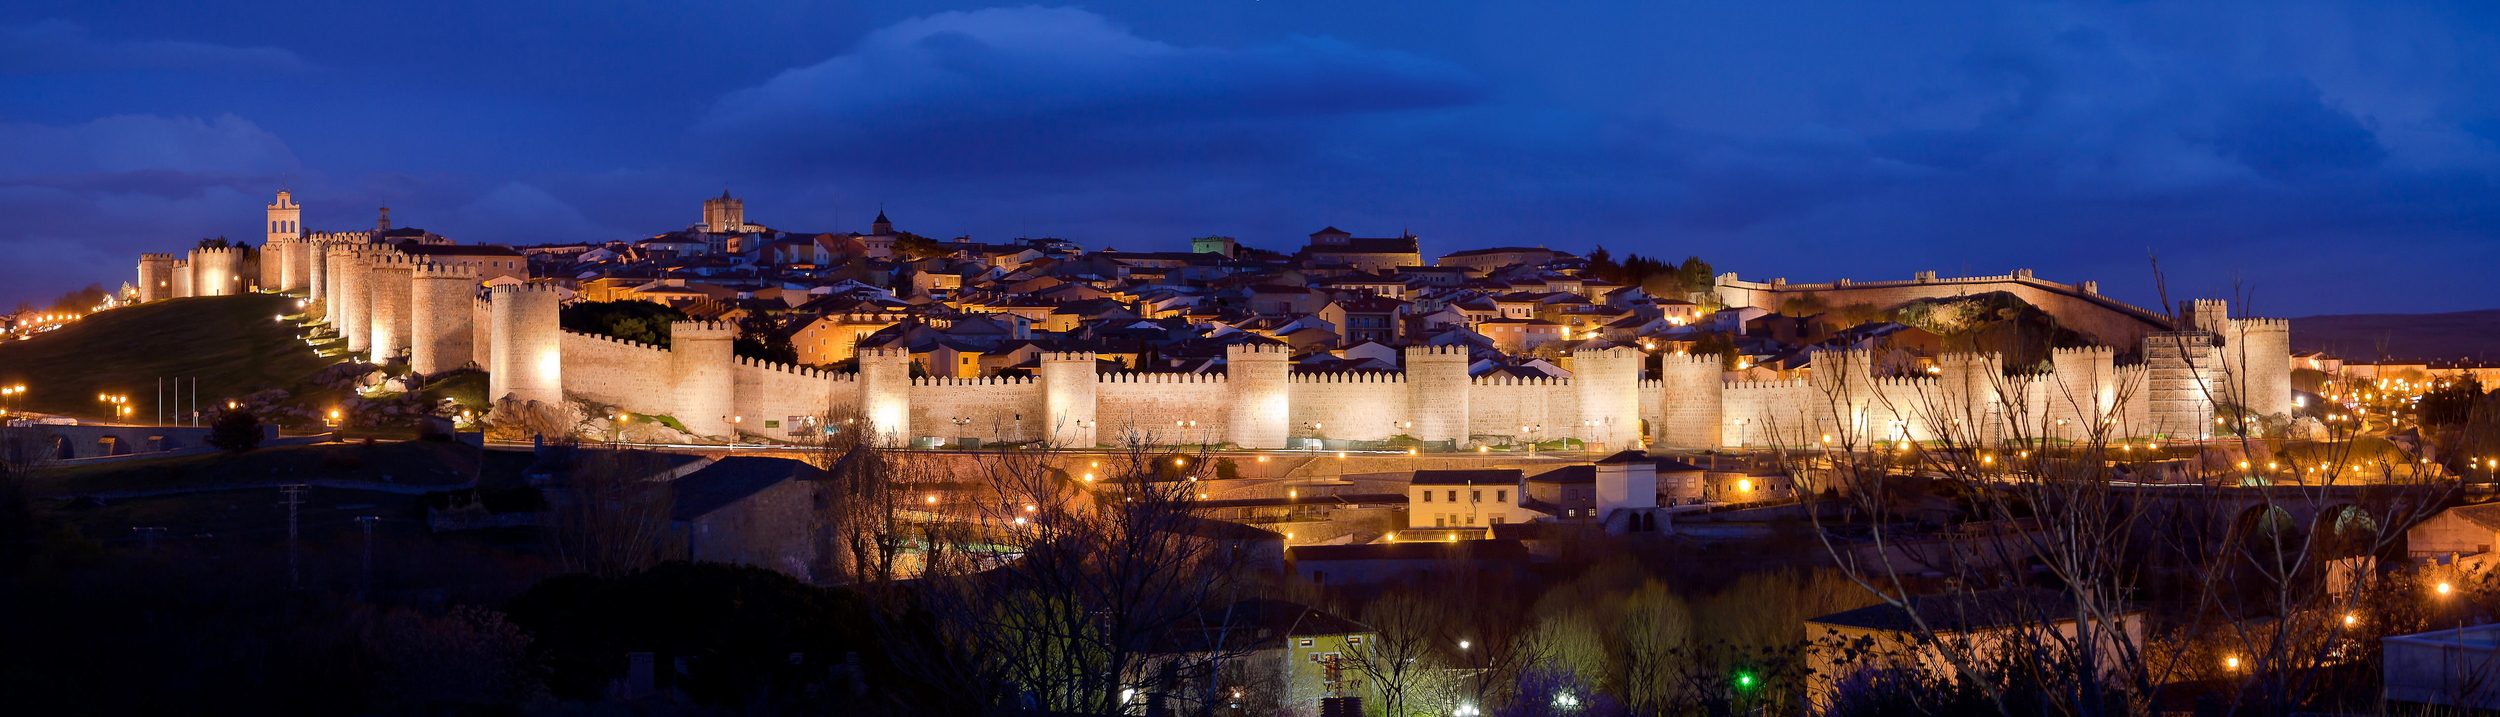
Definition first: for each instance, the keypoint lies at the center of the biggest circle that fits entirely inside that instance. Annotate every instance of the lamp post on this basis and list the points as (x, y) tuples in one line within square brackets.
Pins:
[(1530, 432), (960, 422)]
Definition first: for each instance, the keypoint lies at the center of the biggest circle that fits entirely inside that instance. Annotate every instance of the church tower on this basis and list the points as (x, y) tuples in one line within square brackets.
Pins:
[(285, 219), (725, 215), (384, 224)]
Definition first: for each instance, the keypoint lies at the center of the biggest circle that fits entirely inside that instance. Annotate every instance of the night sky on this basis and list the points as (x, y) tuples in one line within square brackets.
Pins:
[(2327, 157)]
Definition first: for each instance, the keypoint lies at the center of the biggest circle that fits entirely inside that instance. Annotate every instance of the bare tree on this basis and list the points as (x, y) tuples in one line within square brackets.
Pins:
[(611, 511)]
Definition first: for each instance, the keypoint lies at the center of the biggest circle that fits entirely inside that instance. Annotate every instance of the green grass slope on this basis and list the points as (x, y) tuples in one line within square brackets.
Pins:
[(234, 344)]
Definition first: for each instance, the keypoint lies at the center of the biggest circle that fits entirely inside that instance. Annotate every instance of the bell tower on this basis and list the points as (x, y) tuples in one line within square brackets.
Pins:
[(285, 219)]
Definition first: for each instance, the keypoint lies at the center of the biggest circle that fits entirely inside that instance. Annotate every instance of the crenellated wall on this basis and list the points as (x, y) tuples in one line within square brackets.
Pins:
[(156, 277), (442, 324), (1260, 403)]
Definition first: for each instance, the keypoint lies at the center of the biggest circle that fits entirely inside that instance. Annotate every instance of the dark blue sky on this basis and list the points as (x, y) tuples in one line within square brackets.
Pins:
[(2330, 157)]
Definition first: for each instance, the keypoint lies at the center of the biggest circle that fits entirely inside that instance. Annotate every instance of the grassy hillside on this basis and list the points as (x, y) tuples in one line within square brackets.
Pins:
[(2462, 334), (234, 344)]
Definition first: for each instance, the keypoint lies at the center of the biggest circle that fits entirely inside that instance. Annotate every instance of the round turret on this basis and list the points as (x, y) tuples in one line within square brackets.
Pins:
[(1608, 384), (1437, 387), (182, 279), (526, 346), (1690, 410), (440, 329), (217, 271), (388, 281), (885, 392), (1068, 391), (1261, 407), (156, 277), (351, 300), (702, 355)]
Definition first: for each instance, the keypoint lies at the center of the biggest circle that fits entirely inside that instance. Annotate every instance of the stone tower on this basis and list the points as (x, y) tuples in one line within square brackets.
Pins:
[(1845, 403), (217, 271), (317, 276), (351, 300), (1608, 382), (885, 391), (1967, 388), (2181, 372), (1068, 394), (882, 226), (387, 280), (1437, 386), (383, 224), (156, 277), (439, 332), (286, 221), (1261, 407), (526, 345), (703, 359), (2084, 394), (1691, 415), (2261, 354), (725, 214), (182, 279)]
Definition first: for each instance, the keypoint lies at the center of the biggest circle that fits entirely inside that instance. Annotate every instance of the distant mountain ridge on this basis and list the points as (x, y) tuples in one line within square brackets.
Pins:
[(2473, 335)]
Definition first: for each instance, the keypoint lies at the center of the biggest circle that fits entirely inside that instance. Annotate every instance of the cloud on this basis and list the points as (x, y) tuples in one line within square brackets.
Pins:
[(1061, 91), (58, 46), (89, 197), (139, 147), (520, 213)]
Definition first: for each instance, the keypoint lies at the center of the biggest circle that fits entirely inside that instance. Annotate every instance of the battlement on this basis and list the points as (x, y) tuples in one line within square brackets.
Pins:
[(1906, 381), (779, 367), (394, 260), (1618, 352), (2084, 351), (182, 262), (1162, 378), (610, 339), (703, 329), (2266, 325), (219, 251), (1461, 352), (430, 270), (1666, 360), (974, 381), (524, 289), (1258, 351), (1520, 381), (885, 352), (1068, 357), (1774, 383), (156, 257), (1362, 377)]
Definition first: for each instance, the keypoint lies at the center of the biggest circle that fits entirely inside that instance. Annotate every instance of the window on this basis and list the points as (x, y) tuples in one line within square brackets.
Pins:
[(1453, 496), (1501, 496), (1471, 520), (1355, 640), (1306, 642), (1440, 522), (1427, 496), (1496, 520), (1475, 496)]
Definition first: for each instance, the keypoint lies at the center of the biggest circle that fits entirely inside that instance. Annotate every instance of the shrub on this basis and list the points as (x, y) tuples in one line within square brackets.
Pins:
[(235, 431)]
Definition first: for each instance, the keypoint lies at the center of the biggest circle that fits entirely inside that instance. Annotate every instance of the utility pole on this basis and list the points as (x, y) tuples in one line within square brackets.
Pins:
[(294, 573), (367, 521)]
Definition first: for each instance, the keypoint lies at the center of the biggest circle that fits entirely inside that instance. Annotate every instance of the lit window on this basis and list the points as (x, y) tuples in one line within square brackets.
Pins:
[(1306, 642)]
